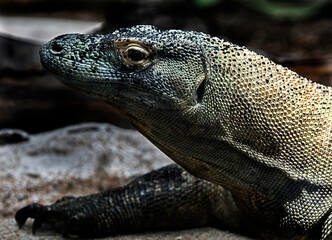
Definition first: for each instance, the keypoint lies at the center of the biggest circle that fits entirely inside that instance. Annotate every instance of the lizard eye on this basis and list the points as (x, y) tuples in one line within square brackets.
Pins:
[(135, 54)]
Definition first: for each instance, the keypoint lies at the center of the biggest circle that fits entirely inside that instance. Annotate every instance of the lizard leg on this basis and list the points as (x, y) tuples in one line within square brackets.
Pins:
[(167, 198)]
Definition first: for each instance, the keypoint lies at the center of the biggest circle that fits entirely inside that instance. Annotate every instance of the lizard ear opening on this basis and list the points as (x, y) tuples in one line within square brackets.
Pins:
[(200, 92)]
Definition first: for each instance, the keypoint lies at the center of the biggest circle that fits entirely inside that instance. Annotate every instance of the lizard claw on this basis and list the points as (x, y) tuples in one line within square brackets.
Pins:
[(30, 211), (41, 215)]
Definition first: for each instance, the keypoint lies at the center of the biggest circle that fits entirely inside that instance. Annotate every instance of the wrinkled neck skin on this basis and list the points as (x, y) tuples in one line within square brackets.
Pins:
[(192, 136)]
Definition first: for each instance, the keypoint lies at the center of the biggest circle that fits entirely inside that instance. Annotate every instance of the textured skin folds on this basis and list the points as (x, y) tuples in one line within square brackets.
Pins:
[(257, 133)]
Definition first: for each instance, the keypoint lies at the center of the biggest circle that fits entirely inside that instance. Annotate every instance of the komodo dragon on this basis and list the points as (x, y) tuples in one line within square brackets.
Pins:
[(255, 136)]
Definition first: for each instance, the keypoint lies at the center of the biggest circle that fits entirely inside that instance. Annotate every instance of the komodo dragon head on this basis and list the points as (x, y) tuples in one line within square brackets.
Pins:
[(131, 66)]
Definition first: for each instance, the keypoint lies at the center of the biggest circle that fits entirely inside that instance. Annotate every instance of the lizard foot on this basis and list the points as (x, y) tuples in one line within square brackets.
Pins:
[(67, 216)]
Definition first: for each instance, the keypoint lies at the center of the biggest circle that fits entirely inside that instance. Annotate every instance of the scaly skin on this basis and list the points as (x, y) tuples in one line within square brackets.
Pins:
[(257, 133)]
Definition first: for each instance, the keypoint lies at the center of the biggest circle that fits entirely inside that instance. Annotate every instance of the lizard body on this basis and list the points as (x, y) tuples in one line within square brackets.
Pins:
[(254, 130)]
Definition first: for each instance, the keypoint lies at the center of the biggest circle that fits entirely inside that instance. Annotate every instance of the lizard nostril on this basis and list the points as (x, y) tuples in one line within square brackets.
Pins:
[(56, 48)]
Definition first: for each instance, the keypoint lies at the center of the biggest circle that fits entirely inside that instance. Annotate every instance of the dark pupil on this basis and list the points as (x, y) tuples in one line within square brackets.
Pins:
[(135, 55)]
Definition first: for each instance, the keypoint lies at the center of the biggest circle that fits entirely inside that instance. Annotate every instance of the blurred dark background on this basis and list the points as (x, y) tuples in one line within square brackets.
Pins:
[(296, 34)]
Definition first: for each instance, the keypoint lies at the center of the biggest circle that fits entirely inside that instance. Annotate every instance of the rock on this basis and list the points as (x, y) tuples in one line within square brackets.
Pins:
[(8, 136)]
